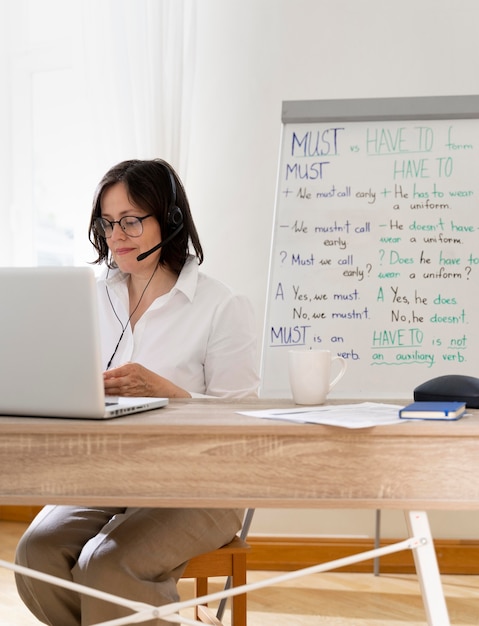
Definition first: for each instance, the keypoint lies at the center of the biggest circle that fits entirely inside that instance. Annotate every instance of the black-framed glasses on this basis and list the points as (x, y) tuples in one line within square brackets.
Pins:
[(129, 224)]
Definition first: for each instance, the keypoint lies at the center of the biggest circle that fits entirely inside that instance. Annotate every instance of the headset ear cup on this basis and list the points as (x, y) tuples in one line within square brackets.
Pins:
[(175, 217)]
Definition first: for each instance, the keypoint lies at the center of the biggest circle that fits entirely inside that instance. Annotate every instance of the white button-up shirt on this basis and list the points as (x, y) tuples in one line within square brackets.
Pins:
[(200, 335)]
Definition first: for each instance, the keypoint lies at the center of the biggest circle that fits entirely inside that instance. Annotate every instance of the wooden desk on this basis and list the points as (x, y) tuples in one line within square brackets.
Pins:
[(203, 454)]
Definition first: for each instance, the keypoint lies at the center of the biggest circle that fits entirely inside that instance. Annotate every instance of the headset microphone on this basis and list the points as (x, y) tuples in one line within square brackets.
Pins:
[(146, 254)]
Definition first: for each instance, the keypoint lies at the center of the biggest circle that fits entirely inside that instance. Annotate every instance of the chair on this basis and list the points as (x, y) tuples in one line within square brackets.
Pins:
[(230, 561)]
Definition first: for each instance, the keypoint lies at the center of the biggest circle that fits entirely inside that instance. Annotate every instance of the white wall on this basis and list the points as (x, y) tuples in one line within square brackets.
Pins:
[(252, 55)]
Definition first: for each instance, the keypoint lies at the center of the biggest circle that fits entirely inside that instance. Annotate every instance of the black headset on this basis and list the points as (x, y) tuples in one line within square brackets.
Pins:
[(175, 216), (174, 221)]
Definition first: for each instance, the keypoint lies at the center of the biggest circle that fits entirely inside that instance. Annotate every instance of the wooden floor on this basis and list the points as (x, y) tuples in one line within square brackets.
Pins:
[(330, 599)]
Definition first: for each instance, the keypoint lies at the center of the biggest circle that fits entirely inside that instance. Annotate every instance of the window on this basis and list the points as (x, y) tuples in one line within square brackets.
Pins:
[(49, 210), (90, 83)]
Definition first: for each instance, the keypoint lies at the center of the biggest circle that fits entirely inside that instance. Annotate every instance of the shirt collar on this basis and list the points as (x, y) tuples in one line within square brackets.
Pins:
[(186, 283), (188, 278)]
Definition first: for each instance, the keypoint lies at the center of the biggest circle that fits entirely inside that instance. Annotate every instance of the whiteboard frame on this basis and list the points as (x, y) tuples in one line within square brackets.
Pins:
[(379, 109)]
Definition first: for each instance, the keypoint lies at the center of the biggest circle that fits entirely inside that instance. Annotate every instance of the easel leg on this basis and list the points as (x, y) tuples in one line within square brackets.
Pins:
[(377, 540), (427, 569)]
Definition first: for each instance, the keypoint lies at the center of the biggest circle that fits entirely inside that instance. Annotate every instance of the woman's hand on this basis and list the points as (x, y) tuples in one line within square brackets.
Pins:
[(132, 379)]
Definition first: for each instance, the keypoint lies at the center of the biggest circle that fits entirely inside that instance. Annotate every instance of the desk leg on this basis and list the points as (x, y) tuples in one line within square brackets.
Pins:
[(427, 569)]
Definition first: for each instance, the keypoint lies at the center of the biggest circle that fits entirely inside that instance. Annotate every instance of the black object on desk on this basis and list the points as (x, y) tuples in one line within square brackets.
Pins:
[(452, 387)]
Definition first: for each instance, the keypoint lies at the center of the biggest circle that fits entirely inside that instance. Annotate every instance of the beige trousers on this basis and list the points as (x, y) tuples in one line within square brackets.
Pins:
[(136, 553)]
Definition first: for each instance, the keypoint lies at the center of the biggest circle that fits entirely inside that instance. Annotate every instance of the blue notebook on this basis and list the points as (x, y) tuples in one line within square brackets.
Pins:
[(433, 410)]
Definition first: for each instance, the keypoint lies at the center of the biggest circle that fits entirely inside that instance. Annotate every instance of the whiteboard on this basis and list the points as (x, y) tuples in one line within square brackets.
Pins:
[(375, 246)]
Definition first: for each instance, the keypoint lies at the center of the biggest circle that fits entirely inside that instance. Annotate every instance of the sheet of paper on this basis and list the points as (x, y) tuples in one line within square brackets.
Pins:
[(361, 415)]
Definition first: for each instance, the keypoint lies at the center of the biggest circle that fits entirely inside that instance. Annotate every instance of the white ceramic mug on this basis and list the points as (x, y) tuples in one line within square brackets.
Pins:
[(310, 374)]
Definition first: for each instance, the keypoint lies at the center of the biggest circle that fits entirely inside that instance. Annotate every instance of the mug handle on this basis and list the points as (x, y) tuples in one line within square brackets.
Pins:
[(341, 372)]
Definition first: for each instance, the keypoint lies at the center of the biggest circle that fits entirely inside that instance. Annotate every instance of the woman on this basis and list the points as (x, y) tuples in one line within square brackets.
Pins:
[(167, 330)]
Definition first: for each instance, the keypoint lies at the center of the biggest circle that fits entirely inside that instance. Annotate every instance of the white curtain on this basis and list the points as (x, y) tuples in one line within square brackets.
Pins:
[(139, 77)]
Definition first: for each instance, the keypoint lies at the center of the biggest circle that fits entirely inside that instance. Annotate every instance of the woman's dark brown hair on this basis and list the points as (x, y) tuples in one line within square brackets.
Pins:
[(155, 187)]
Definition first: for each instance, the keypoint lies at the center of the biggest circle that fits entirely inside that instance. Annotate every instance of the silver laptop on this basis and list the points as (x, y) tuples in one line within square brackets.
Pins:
[(50, 347)]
